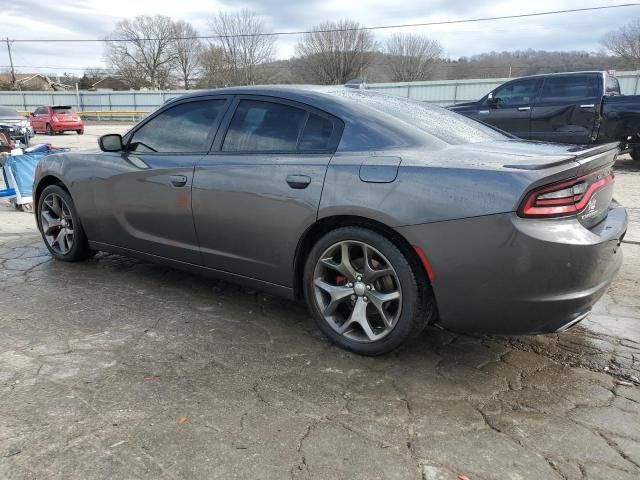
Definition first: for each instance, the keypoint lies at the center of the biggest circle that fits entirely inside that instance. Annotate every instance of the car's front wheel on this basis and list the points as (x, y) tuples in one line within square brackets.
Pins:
[(60, 225), (364, 292)]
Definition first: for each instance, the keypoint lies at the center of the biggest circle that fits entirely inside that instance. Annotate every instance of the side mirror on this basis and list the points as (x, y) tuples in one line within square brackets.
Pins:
[(492, 101), (112, 142)]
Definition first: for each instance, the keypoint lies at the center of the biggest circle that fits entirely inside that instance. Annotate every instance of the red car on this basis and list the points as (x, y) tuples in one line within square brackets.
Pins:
[(58, 119)]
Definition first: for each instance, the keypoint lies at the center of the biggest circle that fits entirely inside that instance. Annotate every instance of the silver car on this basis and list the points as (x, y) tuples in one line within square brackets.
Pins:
[(383, 213)]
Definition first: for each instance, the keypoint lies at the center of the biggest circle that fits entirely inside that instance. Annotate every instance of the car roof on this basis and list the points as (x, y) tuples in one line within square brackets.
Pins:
[(314, 95), (560, 74)]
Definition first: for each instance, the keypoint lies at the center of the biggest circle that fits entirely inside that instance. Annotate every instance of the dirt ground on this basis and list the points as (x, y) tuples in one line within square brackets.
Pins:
[(115, 368)]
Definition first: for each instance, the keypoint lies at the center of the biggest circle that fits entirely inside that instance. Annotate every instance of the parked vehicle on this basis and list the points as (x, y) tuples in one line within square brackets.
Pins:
[(14, 125), (58, 119), (384, 213), (579, 108)]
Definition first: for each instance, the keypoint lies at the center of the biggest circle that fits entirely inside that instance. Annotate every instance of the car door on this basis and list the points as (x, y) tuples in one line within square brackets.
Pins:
[(568, 108), (509, 106), (143, 195), (36, 119), (259, 189)]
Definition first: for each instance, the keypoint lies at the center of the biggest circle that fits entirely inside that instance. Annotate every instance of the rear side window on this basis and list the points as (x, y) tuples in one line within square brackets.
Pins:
[(575, 86), (259, 126), (184, 128), (317, 133)]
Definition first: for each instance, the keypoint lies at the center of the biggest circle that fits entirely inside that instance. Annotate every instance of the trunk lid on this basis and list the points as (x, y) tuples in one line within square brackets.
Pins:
[(546, 164)]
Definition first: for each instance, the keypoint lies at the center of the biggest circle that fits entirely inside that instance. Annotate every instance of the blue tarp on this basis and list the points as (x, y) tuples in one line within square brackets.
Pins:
[(23, 167)]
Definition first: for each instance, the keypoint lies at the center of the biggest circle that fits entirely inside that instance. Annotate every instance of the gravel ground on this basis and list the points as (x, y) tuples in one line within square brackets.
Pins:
[(114, 368)]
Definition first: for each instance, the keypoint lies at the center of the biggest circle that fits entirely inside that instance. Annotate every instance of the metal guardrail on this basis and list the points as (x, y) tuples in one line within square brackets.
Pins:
[(131, 105)]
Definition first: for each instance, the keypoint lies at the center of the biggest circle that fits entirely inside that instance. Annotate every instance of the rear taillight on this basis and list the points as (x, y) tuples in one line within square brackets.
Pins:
[(565, 198), (54, 118)]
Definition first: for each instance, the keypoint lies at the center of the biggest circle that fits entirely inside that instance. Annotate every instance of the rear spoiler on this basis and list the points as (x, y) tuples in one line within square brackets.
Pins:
[(583, 154)]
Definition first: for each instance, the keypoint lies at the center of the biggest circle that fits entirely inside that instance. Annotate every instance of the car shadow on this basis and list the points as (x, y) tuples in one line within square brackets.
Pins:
[(627, 164)]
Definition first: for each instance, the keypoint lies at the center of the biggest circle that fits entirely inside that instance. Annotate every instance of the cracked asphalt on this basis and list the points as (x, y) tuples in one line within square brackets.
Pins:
[(115, 368)]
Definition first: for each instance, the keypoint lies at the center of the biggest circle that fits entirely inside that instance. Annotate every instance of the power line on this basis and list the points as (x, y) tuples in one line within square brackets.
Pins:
[(303, 32), (103, 69)]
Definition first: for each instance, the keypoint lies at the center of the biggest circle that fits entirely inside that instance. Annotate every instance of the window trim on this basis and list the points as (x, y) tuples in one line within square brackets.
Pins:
[(213, 131), (334, 139)]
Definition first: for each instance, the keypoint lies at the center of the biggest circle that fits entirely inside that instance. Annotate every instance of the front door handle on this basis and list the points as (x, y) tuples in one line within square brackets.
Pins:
[(178, 180), (298, 181), (523, 109), (588, 105)]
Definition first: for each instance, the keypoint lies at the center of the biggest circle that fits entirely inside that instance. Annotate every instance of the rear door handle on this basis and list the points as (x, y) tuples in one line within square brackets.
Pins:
[(590, 105), (298, 181), (178, 180), (523, 109)]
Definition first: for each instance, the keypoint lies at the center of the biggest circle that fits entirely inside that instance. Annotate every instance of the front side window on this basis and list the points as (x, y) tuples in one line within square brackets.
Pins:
[(184, 128), (515, 93), (259, 126), (575, 86)]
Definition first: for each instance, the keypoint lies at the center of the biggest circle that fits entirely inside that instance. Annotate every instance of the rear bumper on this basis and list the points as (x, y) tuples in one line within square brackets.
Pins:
[(67, 126), (506, 274)]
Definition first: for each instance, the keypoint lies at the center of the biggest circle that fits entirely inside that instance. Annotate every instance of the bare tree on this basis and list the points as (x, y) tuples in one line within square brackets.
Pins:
[(336, 51), (245, 43), (625, 43), (215, 70), (143, 47), (412, 57), (188, 50)]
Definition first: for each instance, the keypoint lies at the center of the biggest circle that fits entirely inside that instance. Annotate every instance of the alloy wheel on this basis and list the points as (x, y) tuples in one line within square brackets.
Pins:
[(357, 291), (56, 223)]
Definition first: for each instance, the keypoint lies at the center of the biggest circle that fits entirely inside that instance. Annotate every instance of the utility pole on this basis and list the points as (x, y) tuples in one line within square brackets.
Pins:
[(13, 72)]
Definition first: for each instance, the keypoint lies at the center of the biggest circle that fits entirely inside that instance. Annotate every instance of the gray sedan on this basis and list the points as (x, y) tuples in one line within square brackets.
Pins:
[(383, 213)]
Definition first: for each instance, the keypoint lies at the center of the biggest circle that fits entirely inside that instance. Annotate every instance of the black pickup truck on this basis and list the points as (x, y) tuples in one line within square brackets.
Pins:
[(579, 107)]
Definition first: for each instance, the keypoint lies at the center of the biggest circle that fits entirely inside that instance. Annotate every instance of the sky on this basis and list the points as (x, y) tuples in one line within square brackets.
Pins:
[(83, 19)]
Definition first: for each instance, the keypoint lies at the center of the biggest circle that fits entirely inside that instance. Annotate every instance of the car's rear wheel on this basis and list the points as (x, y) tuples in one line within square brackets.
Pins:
[(49, 130), (60, 225), (80, 132), (364, 292), (635, 154)]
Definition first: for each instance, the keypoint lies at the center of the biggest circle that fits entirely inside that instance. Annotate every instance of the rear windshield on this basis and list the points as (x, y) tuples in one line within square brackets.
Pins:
[(63, 109), (9, 112), (612, 86), (449, 127)]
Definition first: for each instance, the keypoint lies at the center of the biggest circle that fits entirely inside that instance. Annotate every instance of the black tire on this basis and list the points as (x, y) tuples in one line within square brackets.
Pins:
[(417, 307), (635, 154), (49, 130), (79, 249), (80, 132)]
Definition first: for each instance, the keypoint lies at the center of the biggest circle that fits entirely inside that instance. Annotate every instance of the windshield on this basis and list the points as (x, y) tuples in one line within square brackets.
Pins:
[(63, 110), (6, 112), (449, 127)]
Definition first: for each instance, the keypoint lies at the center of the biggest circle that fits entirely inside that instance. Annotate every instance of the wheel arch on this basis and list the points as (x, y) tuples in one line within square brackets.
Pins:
[(44, 182), (326, 224)]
